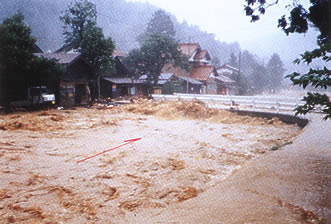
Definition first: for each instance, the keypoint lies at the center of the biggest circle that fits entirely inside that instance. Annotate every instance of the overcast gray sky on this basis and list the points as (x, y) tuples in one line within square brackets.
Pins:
[(227, 20)]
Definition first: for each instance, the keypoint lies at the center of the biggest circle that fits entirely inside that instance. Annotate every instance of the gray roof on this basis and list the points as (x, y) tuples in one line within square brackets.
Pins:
[(189, 80), (162, 81), (227, 68), (62, 58), (164, 77), (123, 81), (224, 79)]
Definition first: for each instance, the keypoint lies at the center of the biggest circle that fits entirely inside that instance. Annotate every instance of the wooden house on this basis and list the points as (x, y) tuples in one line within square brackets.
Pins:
[(227, 70), (226, 73), (202, 71), (118, 82), (74, 88), (179, 83), (206, 74), (189, 85), (225, 85)]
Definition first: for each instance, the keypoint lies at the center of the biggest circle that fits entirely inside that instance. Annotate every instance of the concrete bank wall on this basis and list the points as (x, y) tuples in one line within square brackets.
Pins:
[(286, 118)]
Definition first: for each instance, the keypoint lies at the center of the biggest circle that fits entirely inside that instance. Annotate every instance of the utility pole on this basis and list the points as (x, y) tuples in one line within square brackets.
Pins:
[(239, 70), (188, 76), (99, 87), (239, 61)]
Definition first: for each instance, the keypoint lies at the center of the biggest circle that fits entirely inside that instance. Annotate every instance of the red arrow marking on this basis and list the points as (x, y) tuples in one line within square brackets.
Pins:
[(133, 140), (127, 142)]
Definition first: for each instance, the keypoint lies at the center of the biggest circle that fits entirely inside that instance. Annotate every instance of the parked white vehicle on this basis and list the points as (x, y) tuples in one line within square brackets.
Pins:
[(40, 95)]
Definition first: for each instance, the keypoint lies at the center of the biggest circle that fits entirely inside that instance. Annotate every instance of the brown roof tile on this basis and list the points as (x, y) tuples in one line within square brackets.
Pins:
[(202, 55), (188, 48), (202, 73)]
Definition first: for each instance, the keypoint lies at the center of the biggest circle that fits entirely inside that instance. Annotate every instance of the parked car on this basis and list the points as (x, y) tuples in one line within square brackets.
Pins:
[(40, 95)]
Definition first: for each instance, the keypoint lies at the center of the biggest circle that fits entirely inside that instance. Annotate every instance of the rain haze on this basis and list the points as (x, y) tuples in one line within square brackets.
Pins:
[(162, 111), (227, 20), (195, 21)]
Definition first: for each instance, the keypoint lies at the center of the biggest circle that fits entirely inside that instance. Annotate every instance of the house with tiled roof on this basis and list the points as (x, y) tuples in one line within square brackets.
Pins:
[(225, 73), (189, 49), (206, 75), (195, 54), (116, 82), (169, 68), (197, 57), (227, 70), (226, 86), (61, 58), (202, 57), (74, 88), (119, 82), (203, 71), (181, 84)]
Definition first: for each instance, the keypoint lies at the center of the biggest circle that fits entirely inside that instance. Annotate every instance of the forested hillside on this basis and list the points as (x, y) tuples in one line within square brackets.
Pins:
[(121, 20), (124, 22)]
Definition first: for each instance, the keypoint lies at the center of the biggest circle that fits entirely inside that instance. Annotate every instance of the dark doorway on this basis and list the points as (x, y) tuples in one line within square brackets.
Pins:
[(79, 93)]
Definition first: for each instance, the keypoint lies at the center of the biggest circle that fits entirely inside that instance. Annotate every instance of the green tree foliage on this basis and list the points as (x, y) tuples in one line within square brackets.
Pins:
[(160, 23), (155, 52), (19, 68), (248, 81), (259, 78), (82, 33), (132, 62), (276, 70), (123, 20), (16, 53), (78, 20), (173, 86), (97, 49), (241, 80), (299, 21), (46, 72)]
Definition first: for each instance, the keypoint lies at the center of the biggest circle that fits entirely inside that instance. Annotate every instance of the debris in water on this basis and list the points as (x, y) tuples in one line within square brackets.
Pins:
[(188, 193)]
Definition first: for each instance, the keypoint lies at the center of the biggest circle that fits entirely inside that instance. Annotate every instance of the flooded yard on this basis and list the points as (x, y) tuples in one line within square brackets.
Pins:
[(185, 149)]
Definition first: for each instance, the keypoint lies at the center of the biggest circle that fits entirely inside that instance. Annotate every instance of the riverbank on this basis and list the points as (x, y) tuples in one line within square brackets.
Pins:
[(292, 185)]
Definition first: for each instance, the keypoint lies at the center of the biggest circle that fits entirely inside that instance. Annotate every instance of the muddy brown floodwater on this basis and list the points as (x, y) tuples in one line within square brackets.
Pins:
[(185, 150)]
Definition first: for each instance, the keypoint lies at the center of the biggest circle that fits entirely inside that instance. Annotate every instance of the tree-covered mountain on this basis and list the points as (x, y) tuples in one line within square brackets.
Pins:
[(121, 20), (125, 22)]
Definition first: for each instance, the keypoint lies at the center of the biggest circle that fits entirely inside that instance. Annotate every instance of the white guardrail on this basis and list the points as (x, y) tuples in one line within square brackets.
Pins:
[(254, 103)]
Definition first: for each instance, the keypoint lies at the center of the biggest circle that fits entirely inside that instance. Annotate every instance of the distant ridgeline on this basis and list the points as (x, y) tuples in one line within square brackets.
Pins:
[(122, 20)]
